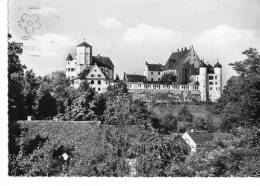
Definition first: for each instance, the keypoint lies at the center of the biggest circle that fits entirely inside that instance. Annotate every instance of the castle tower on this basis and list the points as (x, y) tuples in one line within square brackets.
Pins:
[(203, 85), (84, 54), (218, 79), (69, 66)]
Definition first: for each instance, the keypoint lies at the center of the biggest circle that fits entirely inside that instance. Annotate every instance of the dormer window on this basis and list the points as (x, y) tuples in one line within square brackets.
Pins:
[(151, 73)]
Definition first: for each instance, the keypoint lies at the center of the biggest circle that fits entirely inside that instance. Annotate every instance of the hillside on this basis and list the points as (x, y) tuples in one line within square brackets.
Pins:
[(202, 111)]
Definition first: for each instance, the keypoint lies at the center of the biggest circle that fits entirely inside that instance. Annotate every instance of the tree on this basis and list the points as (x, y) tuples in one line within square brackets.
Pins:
[(168, 78), (118, 89), (166, 124), (15, 81), (31, 86), (46, 104), (82, 104), (240, 102), (56, 83)]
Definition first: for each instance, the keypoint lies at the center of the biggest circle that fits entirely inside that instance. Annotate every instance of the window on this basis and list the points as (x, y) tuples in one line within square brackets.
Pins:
[(72, 77), (106, 82), (159, 79), (98, 89), (216, 83), (216, 77), (210, 88), (216, 88), (69, 69), (92, 75), (92, 82), (151, 79), (151, 73), (158, 73), (98, 75), (99, 82), (211, 83), (95, 70), (210, 77)]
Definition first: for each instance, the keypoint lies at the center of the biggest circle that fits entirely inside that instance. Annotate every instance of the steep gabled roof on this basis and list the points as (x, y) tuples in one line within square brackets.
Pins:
[(103, 62), (155, 67), (69, 58), (177, 58), (134, 78), (85, 44)]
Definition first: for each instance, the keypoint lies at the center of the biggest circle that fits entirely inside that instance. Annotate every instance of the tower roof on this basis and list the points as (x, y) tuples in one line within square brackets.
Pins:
[(85, 44), (69, 58), (217, 65), (202, 64)]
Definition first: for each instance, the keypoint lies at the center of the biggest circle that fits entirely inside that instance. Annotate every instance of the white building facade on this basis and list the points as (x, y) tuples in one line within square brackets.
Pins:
[(97, 70), (192, 74)]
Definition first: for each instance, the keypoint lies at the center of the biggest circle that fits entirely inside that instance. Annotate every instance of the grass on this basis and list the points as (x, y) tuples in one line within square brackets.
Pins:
[(202, 111)]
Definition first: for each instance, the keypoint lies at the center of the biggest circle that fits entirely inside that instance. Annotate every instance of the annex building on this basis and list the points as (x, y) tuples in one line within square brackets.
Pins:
[(97, 70), (193, 78)]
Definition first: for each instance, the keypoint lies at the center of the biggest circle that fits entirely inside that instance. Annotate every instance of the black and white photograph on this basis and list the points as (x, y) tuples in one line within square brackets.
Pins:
[(132, 89)]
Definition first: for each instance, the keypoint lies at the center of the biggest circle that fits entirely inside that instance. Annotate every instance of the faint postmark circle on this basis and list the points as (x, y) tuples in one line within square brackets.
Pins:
[(29, 23)]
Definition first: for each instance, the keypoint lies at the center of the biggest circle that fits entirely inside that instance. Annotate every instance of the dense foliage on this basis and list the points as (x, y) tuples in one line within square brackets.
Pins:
[(123, 130)]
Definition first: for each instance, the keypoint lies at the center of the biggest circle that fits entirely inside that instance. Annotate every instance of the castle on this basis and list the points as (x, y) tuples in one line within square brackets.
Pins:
[(189, 74), (183, 74), (97, 70)]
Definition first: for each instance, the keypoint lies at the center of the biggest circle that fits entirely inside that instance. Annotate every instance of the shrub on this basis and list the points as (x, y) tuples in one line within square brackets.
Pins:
[(165, 125)]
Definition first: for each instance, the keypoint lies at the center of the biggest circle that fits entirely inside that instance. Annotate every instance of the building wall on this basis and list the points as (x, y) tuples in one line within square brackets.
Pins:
[(203, 83), (84, 55), (215, 84), (71, 69)]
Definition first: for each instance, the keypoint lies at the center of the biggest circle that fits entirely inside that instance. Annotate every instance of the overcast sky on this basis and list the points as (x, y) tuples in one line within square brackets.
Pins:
[(131, 32)]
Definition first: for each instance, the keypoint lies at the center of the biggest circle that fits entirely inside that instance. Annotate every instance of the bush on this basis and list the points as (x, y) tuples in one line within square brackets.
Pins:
[(165, 125), (184, 114)]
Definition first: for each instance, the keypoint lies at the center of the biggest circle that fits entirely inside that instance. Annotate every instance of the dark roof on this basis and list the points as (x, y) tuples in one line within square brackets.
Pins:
[(69, 58), (217, 65), (103, 62), (85, 44), (134, 78), (155, 67), (202, 64), (177, 58), (210, 69)]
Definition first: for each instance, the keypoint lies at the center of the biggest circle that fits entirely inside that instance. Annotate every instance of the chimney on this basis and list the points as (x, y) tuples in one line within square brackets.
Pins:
[(185, 48), (181, 49), (178, 50)]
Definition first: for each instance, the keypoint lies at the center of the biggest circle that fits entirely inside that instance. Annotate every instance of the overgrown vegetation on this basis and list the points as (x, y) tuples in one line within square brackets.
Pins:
[(123, 128)]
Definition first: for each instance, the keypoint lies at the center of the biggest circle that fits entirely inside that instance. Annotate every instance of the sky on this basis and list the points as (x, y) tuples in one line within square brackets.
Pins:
[(131, 32)]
